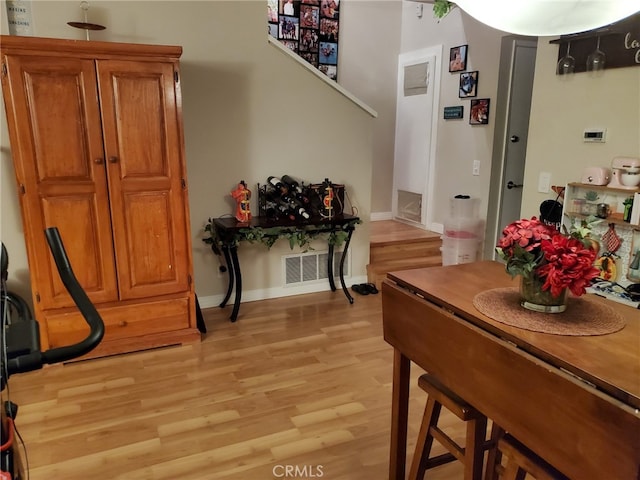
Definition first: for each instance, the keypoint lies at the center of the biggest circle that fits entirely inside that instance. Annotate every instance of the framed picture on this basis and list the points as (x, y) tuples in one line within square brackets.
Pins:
[(289, 7), (479, 113), (329, 53), (289, 29), (330, 71), (309, 16), (468, 84), (458, 58)]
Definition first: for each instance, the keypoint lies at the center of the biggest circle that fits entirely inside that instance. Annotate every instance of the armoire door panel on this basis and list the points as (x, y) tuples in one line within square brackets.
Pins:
[(142, 136), (152, 258), (84, 247), (57, 146), (133, 95), (60, 145)]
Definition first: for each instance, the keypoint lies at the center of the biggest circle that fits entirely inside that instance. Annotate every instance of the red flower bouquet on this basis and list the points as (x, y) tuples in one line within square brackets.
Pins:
[(532, 249)]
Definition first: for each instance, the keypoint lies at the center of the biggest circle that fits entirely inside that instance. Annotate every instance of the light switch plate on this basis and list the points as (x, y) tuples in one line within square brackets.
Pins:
[(544, 182)]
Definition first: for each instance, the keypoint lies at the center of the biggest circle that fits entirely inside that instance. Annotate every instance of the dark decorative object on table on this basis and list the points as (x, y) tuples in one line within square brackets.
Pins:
[(286, 198)]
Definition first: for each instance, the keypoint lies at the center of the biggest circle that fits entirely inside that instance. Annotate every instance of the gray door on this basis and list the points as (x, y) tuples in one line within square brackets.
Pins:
[(515, 83)]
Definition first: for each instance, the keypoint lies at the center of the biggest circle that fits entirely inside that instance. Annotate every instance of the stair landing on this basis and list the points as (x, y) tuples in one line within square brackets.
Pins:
[(398, 246)]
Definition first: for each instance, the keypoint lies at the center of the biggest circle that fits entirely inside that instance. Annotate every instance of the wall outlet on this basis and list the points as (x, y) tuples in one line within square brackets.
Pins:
[(544, 182), (476, 167)]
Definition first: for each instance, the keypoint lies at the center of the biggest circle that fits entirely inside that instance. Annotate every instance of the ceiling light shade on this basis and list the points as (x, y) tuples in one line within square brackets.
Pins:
[(542, 18)]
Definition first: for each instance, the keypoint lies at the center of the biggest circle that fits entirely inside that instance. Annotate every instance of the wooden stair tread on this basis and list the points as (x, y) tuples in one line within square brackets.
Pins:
[(390, 232)]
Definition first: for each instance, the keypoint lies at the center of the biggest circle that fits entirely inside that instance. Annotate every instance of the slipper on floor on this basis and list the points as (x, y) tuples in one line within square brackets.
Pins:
[(360, 288), (370, 287)]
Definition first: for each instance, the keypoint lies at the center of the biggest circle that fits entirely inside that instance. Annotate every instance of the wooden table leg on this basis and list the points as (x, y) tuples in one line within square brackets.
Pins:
[(399, 416)]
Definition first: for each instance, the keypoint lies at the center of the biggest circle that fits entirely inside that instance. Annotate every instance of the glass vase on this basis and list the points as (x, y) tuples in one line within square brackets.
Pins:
[(538, 300)]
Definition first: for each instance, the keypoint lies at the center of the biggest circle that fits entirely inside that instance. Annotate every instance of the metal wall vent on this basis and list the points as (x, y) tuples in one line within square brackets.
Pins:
[(312, 267)]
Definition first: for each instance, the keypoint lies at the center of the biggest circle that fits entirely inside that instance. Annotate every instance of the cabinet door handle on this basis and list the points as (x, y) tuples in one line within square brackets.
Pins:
[(98, 161), (113, 159)]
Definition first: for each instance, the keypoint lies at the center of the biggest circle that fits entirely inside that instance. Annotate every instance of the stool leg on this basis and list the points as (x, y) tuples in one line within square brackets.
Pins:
[(494, 456), (473, 450), (425, 440), (513, 472)]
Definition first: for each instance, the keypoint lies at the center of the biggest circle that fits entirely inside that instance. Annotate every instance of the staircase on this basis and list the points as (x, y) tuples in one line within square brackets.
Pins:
[(398, 246)]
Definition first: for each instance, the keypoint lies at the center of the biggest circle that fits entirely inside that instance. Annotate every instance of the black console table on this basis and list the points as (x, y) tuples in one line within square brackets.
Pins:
[(227, 233)]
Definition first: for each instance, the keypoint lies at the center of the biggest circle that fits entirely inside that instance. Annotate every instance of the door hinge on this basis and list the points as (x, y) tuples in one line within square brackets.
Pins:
[(22, 189), (189, 279), (37, 297), (4, 69), (176, 76), (184, 183)]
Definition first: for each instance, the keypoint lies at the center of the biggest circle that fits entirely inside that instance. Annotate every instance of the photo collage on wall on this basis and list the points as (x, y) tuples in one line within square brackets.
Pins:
[(309, 28)]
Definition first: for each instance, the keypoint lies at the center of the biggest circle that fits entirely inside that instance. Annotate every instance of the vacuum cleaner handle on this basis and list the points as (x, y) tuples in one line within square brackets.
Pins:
[(35, 360)]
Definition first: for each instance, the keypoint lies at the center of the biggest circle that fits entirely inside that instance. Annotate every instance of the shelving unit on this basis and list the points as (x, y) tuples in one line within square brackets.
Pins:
[(580, 202)]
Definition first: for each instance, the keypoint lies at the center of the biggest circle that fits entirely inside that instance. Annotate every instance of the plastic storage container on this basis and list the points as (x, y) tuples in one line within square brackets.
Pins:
[(463, 231)]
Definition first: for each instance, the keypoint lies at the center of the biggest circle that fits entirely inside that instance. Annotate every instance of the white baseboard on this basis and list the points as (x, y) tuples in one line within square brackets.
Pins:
[(378, 216), (437, 227), (210, 301)]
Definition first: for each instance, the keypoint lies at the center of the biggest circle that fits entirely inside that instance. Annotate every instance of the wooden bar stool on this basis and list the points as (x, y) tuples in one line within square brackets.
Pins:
[(521, 461), (471, 455)]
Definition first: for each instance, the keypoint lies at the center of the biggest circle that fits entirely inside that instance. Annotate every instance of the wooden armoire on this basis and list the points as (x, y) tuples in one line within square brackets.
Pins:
[(98, 150)]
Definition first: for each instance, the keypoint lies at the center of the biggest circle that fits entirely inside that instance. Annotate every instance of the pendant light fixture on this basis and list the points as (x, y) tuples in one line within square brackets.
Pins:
[(542, 18)]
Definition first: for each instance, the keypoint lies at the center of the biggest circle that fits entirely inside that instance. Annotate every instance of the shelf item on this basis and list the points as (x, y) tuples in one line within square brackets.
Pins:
[(97, 144), (581, 203)]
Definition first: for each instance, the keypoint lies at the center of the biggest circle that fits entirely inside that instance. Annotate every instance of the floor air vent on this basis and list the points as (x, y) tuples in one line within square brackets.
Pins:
[(311, 267)]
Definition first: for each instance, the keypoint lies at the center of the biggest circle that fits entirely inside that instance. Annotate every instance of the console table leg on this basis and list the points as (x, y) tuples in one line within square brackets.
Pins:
[(344, 255), (332, 282), (236, 268), (227, 260)]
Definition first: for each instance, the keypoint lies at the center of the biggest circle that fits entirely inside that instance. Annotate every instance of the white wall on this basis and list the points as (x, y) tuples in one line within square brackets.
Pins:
[(369, 47), (249, 112)]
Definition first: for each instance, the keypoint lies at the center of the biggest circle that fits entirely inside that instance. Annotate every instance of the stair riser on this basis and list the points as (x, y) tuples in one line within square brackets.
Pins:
[(377, 273), (428, 248)]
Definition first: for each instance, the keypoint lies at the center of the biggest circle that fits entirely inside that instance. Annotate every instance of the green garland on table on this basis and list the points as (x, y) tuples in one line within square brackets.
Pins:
[(301, 236)]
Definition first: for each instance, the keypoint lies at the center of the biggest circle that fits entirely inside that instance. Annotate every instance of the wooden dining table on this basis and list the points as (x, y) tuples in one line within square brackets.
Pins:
[(574, 400)]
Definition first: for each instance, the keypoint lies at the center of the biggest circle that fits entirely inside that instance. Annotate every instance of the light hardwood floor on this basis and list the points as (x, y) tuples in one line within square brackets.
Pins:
[(301, 381)]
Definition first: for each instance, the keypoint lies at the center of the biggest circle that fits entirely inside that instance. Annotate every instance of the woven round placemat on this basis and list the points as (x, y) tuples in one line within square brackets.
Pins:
[(582, 316)]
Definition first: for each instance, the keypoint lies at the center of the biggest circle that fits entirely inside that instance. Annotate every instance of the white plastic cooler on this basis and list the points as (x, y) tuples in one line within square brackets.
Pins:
[(463, 231)]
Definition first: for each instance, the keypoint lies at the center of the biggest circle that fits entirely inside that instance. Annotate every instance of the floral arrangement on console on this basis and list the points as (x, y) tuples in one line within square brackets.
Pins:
[(548, 261)]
